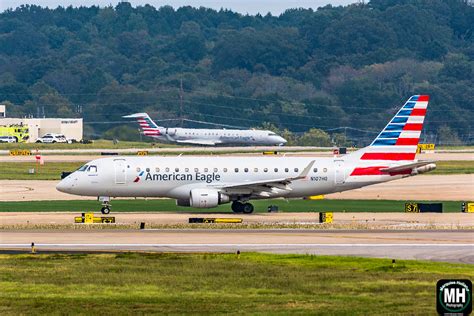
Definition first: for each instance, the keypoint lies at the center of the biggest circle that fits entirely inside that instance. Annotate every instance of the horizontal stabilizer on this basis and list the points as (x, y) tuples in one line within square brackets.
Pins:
[(409, 166)]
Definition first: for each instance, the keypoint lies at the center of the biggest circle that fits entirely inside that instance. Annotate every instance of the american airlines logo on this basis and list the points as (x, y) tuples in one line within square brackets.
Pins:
[(454, 296)]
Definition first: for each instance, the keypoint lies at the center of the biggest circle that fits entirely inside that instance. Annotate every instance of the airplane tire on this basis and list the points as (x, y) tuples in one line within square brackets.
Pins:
[(247, 208), (105, 210), (237, 207)]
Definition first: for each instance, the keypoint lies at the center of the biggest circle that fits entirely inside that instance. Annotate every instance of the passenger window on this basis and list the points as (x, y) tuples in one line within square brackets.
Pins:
[(296, 169), (147, 169), (206, 170), (265, 170), (196, 169), (225, 169), (176, 169), (215, 170), (138, 169), (246, 169), (255, 169), (286, 170), (157, 169), (315, 170), (276, 169), (186, 169), (167, 169), (325, 169), (236, 169)]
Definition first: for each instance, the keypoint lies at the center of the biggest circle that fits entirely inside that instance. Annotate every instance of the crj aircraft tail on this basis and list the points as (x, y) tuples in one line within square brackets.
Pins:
[(147, 125), (393, 151)]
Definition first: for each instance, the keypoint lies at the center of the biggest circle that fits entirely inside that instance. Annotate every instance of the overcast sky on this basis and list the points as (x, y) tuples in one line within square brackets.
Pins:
[(242, 6)]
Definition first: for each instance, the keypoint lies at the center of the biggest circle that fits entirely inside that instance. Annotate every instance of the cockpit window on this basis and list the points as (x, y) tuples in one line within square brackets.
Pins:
[(83, 168), (271, 134), (92, 169)]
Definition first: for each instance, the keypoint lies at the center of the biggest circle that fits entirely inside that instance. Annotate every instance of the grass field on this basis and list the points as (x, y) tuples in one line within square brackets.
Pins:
[(52, 170), (123, 284), (168, 205)]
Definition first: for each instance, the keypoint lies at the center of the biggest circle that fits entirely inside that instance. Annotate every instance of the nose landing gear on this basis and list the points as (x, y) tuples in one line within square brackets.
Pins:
[(242, 207), (105, 204)]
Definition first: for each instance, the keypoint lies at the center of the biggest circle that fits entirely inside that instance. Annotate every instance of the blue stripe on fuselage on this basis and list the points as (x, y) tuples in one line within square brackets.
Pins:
[(399, 119), (409, 105), (389, 135)]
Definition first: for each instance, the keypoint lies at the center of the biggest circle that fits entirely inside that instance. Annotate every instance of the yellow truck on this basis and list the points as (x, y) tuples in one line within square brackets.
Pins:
[(21, 133)]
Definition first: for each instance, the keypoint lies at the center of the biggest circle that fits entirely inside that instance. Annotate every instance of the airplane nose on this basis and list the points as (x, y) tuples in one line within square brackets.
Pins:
[(283, 141), (63, 186)]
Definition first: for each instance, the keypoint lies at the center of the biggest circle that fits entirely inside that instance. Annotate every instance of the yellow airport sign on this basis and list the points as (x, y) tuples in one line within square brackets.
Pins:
[(425, 147), (316, 197), (142, 153), (20, 152), (326, 217), (412, 208)]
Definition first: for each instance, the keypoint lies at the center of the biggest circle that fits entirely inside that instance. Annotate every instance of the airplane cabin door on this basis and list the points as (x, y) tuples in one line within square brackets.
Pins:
[(339, 172), (120, 171)]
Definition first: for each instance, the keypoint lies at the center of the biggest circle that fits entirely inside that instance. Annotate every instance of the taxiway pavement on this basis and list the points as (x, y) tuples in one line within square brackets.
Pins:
[(449, 246)]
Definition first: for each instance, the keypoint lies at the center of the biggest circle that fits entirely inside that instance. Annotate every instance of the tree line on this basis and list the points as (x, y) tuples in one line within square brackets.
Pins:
[(342, 71)]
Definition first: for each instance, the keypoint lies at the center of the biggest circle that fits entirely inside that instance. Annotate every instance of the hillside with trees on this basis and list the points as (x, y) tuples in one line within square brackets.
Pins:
[(336, 73)]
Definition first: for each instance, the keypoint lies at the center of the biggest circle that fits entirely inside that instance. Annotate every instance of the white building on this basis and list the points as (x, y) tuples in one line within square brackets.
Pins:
[(72, 128)]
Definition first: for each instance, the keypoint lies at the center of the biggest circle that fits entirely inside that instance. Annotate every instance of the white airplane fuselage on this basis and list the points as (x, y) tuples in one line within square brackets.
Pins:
[(212, 137), (175, 177)]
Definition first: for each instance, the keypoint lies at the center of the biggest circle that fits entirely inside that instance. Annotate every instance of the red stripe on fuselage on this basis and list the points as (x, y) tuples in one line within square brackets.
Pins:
[(418, 112), (388, 156), (413, 127), (407, 141), (423, 98)]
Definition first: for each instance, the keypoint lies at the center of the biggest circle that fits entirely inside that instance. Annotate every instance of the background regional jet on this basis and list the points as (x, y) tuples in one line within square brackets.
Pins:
[(209, 137), (205, 182)]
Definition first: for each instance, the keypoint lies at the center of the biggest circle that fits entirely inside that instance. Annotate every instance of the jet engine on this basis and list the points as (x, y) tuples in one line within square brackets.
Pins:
[(207, 198), (171, 131)]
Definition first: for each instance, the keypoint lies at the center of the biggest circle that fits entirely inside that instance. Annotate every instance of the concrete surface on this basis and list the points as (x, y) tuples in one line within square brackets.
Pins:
[(450, 246)]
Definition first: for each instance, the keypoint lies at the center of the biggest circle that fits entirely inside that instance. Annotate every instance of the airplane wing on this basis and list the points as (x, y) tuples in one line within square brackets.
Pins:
[(266, 187), (198, 142), (409, 166)]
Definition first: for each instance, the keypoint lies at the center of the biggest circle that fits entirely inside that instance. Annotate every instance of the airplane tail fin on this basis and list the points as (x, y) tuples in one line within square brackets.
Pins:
[(399, 139), (147, 125)]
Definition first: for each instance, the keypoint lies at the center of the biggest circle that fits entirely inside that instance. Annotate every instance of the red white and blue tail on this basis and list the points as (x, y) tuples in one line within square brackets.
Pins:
[(147, 125), (399, 139), (395, 147)]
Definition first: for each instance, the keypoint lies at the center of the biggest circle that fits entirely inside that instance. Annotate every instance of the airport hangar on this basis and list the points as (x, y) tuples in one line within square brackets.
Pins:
[(72, 128)]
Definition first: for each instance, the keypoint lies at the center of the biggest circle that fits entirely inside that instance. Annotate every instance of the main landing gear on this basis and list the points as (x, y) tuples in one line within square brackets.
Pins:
[(105, 204), (242, 207)]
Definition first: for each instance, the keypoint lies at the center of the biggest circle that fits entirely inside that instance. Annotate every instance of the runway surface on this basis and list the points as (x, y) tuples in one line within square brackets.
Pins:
[(449, 246)]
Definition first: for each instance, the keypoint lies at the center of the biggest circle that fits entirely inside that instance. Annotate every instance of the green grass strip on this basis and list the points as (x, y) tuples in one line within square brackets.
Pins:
[(168, 205), (251, 283)]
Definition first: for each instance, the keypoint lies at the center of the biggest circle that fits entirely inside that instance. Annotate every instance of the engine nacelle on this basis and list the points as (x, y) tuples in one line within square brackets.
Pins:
[(171, 131), (424, 169), (207, 198)]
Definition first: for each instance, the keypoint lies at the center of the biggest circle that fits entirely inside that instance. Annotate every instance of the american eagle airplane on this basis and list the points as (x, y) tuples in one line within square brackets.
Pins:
[(205, 182), (206, 137)]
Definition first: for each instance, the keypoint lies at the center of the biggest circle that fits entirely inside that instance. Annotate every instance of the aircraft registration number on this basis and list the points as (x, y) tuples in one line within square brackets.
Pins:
[(319, 178)]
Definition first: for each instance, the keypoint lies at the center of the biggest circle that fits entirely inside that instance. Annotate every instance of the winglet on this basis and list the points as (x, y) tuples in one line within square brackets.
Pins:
[(305, 171)]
